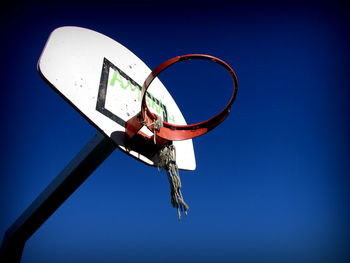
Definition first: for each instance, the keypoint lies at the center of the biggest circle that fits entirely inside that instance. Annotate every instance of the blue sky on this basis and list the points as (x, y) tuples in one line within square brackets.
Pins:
[(271, 182)]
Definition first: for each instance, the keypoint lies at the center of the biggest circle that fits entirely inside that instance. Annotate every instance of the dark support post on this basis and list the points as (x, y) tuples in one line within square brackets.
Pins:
[(72, 176)]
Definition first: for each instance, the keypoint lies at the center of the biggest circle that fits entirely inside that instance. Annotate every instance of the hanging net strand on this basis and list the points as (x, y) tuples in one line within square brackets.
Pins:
[(167, 162), (157, 125)]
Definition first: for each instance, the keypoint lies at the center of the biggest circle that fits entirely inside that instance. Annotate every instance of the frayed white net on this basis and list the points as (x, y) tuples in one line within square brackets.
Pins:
[(167, 162)]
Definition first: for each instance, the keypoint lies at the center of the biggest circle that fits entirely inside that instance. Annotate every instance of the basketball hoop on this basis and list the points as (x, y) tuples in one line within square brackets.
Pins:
[(174, 132), (164, 133)]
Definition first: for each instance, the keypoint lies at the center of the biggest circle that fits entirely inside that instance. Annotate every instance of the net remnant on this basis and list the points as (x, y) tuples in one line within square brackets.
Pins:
[(157, 125), (167, 162)]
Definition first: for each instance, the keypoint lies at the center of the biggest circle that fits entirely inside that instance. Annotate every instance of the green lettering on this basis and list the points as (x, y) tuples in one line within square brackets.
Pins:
[(133, 87), (152, 102), (116, 76), (157, 108), (172, 118), (122, 85), (138, 95), (148, 101)]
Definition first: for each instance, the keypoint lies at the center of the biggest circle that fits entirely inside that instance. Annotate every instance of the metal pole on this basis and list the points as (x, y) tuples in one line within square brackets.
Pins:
[(72, 176)]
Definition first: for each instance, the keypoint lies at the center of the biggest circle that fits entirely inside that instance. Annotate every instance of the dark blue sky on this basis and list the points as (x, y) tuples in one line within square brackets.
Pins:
[(271, 182)]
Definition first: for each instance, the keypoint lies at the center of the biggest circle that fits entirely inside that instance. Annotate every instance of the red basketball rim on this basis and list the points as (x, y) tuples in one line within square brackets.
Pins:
[(176, 132)]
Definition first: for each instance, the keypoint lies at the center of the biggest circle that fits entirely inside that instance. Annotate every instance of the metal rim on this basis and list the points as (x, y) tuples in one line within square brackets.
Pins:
[(175, 132)]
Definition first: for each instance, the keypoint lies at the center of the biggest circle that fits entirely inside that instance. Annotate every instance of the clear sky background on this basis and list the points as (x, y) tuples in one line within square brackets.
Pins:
[(271, 182)]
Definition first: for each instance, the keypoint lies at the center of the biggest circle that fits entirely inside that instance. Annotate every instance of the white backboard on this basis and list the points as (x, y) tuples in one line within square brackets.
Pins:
[(102, 79)]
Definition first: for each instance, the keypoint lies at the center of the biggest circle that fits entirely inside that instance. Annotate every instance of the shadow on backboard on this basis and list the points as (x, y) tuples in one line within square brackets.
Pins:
[(137, 144)]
